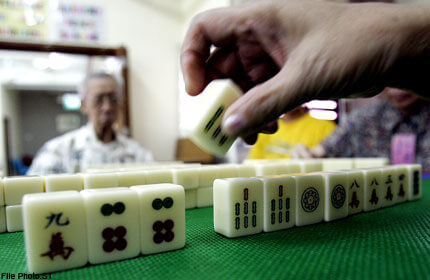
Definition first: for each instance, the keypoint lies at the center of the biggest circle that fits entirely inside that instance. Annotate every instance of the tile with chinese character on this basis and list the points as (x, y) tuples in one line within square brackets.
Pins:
[(55, 231)]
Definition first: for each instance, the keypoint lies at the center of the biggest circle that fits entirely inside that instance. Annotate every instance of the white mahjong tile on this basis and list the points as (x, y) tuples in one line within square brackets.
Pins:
[(415, 181), (370, 162), (247, 170), (2, 219), (335, 196), (404, 186), (131, 178), (55, 231), (309, 198), (373, 186), (16, 187), (100, 180), (14, 218), (356, 181), (205, 197), (238, 206), (112, 224), (162, 217), (207, 131), (268, 169), (311, 165), (293, 167), (190, 198), (186, 177), (332, 164), (227, 171), (158, 176), (279, 202), (207, 176), (64, 182), (390, 185), (1, 192)]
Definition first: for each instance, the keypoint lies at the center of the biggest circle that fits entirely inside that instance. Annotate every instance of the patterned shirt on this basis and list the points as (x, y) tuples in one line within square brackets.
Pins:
[(368, 132), (78, 149)]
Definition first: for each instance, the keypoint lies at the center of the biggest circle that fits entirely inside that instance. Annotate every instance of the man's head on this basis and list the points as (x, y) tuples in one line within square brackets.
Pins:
[(101, 99)]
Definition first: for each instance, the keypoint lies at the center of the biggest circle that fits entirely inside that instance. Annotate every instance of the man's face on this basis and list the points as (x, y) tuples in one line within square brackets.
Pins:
[(401, 99), (101, 102)]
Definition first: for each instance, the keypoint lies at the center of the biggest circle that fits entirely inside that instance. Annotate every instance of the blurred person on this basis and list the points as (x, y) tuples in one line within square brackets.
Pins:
[(394, 126), (294, 127), (285, 53), (95, 143)]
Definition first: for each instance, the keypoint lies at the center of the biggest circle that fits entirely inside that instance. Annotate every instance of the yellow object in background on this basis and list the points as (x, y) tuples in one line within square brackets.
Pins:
[(305, 130)]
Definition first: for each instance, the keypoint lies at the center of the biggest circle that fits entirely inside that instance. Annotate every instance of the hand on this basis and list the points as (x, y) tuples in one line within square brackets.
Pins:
[(286, 53)]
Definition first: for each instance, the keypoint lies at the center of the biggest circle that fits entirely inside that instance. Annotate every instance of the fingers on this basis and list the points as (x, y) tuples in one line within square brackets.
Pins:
[(251, 139), (263, 103), (210, 28)]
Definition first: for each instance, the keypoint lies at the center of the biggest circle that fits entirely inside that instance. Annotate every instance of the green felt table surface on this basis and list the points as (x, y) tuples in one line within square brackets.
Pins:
[(390, 243)]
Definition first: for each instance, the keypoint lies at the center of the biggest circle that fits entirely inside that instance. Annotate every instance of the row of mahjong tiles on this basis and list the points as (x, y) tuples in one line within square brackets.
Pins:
[(121, 222), (198, 189)]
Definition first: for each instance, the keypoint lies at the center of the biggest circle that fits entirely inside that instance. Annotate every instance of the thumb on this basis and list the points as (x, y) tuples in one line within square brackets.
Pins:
[(263, 103)]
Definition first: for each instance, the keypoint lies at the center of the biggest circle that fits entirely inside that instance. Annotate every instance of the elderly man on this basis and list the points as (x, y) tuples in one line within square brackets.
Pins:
[(95, 143)]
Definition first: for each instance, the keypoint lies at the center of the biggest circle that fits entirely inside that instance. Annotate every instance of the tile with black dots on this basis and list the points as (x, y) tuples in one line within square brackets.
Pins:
[(112, 224), (162, 217)]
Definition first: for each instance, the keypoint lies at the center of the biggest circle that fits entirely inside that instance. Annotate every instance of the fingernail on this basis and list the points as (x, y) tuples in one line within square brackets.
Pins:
[(233, 124)]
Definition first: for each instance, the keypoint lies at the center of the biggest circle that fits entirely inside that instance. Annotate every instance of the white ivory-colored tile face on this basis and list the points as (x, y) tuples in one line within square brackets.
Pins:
[(100, 180), (355, 191), (14, 218), (2, 219), (16, 187), (64, 182), (372, 189), (238, 206), (55, 231), (190, 199), (415, 181), (390, 185), (403, 179), (131, 178), (208, 133), (158, 176), (267, 169), (207, 176), (205, 197), (293, 167), (311, 166), (333, 164), (112, 224), (162, 217), (227, 171), (247, 170), (370, 162), (279, 203), (336, 196), (186, 177), (309, 199), (1, 193)]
